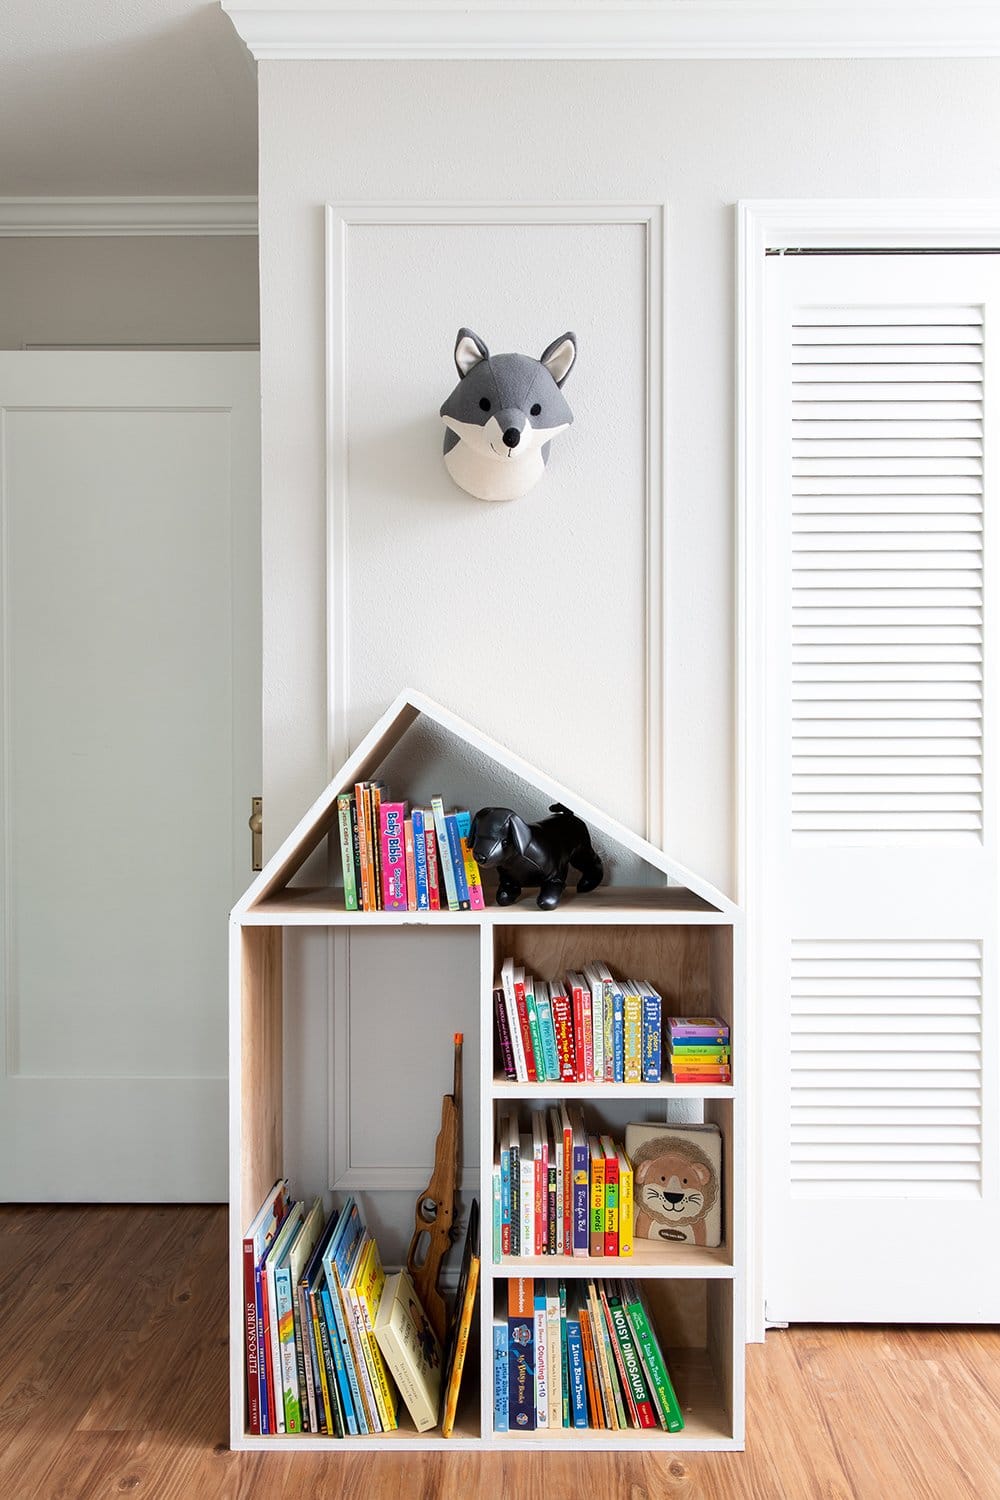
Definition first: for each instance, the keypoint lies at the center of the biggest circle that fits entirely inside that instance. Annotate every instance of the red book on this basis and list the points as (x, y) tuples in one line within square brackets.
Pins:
[(611, 1200), (562, 1020), (255, 1243), (577, 986), (521, 1000), (433, 886)]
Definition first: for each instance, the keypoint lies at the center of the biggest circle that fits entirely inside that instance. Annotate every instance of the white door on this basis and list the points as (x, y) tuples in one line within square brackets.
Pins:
[(876, 906), (130, 748)]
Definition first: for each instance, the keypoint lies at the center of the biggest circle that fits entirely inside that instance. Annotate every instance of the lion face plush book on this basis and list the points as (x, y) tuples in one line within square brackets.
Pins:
[(678, 1182)]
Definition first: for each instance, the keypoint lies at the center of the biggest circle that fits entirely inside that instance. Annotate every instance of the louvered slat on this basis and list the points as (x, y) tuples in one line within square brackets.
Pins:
[(887, 575), (886, 1067)]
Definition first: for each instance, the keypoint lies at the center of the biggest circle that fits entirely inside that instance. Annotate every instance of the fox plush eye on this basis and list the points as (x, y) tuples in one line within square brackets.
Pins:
[(484, 404), (536, 410)]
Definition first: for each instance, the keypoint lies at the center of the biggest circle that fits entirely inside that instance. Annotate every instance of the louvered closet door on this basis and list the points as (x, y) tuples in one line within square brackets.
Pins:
[(878, 904)]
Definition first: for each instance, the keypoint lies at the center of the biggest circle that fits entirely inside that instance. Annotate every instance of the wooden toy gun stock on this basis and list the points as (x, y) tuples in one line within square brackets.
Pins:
[(434, 1229)]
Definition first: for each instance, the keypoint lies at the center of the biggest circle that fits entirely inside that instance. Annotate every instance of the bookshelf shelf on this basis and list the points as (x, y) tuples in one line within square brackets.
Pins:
[(684, 936)]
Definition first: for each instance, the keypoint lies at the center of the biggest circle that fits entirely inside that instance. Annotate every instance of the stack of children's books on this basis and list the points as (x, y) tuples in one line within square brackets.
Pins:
[(588, 1356), (395, 859), (312, 1290), (559, 1189), (699, 1049), (585, 1027)]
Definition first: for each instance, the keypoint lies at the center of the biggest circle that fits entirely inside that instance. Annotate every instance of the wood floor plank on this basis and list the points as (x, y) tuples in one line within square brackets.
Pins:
[(114, 1383)]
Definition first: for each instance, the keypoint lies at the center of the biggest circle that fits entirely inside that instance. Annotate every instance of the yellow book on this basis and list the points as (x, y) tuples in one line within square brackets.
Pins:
[(596, 1195), (626, 1204), (632, 1019), (458, 1342), (367, 1290)]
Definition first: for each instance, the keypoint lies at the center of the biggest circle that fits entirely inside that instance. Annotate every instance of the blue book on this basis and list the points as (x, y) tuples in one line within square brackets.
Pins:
[(652, 1007), (504, 1195), (337, 1260), (581, 1185), (564, 1353), (501, 1378), (547, 1032), (577, 1378), (347, 1379), (420, 860), (457, 859), (497, 1219)]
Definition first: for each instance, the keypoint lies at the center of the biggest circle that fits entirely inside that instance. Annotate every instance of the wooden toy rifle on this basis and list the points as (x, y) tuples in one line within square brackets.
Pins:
[(434, 1229)]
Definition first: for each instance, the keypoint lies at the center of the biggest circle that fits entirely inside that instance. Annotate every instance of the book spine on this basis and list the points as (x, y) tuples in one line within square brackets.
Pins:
[(303, 1354), (631, 1363), (444, 854), (521, 1346), (546, 1028), (460, 1350), (587, 1012), (579, 1067), (594, 1403), (651, 1039), (328, 1359), (534, 1031), (433, 883), (504, 1192), (564, 1353), (501, 1377), (526, 1197), (286, 1348), (411, 865), (623, 1384), (374, 827), (581, 1199), (497, 1215), (597, 1022), (563, 1022), (263, 1345), (347, 850), (633, 1037), (457, 861), (392, 834), (323, 1396), (596, 1205), (503, 1035), (541, 1359), (355, 1333), (343, 1358), (381, 1384), (618, 1033), (250, 1336), (577, 1382), (420, 860), (611, 1238), (473, 879), (515, 1195), (521, 1001), (364, 845), (567, 1188), (626, 1206), (609, 1031), (656, 1369), (553, 1216), (553, 1354)]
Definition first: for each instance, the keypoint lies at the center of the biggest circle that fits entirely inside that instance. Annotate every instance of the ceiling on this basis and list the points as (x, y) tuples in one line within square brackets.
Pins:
[(112, 97)]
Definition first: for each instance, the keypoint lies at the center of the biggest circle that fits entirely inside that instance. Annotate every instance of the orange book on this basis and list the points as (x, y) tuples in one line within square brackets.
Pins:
[(590, 1370)]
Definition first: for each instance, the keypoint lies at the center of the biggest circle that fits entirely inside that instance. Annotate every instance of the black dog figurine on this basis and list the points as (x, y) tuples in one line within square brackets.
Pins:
[(534, 853)]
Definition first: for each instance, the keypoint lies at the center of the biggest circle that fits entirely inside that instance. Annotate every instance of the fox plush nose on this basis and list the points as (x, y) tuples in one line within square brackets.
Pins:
[(512, 437)]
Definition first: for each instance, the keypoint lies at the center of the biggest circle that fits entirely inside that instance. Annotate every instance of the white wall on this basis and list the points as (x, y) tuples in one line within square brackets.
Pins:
[(128, 290), (696, 136)]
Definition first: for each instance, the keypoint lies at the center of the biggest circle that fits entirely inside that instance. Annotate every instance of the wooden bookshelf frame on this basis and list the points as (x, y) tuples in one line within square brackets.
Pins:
[(686, 938)]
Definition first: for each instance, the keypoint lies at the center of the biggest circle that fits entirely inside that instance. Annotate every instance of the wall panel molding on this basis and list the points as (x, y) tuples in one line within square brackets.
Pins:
[(66, 217), (340, 219)]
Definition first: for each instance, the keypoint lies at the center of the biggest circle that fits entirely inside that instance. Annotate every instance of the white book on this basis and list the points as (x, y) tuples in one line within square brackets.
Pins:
[(553, 1349), (510, 1004), (594, 977), (527, 1197), (541, 1359)]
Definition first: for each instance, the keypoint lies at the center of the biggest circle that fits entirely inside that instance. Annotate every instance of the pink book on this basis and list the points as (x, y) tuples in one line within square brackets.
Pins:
[(433, 886), (411, 867), (393, 847)]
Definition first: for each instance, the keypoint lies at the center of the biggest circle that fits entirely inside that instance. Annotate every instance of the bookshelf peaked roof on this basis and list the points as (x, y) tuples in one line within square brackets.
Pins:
[(321, 819)]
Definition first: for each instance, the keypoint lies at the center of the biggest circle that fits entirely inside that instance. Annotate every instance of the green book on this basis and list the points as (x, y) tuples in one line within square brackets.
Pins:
[(345, 804), (533, 1027), (661, 1386)]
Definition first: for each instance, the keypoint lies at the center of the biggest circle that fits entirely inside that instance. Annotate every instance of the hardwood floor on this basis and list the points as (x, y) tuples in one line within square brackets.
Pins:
[(114, 1369)]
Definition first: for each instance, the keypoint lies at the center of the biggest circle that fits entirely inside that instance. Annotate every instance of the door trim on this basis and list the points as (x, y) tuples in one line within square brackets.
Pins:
[(781, 226)]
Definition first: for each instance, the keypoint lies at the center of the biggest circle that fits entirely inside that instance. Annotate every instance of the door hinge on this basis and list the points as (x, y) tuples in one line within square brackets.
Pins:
[(256, 826)]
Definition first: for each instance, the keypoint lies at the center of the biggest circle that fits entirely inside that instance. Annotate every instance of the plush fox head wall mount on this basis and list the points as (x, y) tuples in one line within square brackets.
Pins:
[(502, 416)]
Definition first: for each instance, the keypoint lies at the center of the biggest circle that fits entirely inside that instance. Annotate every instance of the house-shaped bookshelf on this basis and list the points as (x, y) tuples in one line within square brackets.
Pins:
[(652, 919)]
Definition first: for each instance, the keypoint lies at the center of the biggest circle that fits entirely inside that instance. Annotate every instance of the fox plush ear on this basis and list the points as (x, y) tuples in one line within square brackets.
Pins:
[(469, 351), (560, 357)]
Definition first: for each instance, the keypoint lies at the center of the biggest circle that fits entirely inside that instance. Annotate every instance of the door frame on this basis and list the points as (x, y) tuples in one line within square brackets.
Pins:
[(843, 225)]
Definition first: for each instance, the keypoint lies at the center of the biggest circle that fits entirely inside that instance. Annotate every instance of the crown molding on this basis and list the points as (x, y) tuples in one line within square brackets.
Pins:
[(277, 30), (127, 216)]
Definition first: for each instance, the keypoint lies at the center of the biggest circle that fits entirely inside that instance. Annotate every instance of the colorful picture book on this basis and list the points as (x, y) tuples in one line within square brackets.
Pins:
[(559, 1189), (396, 859), (580, 1354), (585, 1026), (678, 1182)]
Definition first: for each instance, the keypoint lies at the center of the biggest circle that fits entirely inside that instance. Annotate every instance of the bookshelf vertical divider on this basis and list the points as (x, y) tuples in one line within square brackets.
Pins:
[(677, 932)]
